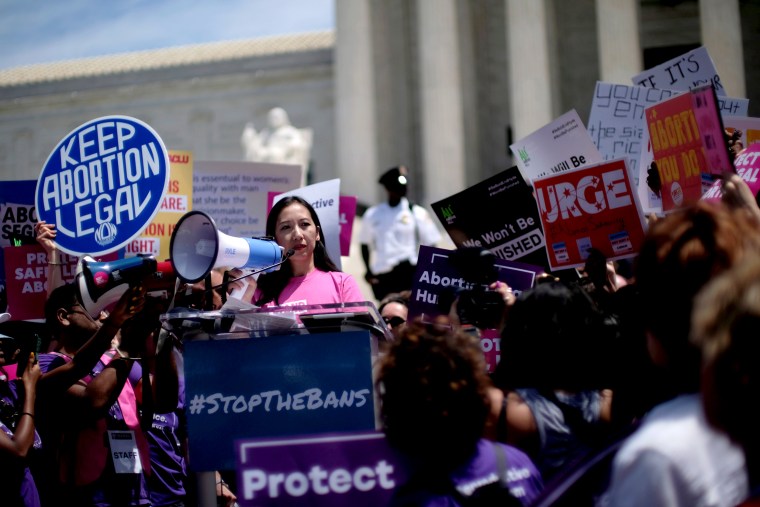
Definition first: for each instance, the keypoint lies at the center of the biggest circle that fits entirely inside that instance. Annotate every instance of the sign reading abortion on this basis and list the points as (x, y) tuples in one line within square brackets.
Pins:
[(330, 470), (275, 386), (103, 184), (437, 282), (688, 145)]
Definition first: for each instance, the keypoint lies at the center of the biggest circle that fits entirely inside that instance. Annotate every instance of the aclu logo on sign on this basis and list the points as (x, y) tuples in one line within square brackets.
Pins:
[(103, 184)]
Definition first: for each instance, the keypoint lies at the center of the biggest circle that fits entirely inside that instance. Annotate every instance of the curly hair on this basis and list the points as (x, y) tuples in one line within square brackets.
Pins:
[(433, 388), (272, 284)]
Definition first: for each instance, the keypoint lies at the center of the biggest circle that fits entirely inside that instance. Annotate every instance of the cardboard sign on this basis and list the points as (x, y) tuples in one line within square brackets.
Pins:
[(561, 145), (330, 471), (498, 214), (685, 72), (272, 387), (155, 239), (103, 184), (589, 207), (616, 122)]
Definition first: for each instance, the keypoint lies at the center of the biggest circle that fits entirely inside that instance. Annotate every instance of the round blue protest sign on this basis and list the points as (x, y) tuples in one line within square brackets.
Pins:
[(103, 184)]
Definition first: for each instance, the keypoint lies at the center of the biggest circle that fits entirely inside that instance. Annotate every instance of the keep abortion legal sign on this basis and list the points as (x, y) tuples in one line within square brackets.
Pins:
[(103, 184)]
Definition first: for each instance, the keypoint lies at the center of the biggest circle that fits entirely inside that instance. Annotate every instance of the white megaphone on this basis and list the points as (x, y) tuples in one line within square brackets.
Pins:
[(197, 247)]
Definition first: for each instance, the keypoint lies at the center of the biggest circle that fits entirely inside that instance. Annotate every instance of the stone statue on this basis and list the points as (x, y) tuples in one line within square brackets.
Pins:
[(280, 142)]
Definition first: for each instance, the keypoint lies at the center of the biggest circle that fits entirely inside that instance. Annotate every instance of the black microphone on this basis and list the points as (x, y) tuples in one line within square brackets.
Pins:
[(290, 253)]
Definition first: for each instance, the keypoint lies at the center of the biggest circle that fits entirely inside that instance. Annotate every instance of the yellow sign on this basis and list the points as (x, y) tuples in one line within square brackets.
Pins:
[(178, 200)]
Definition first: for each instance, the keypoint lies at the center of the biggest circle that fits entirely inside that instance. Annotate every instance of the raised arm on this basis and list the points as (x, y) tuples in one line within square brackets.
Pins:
[(17, 447)]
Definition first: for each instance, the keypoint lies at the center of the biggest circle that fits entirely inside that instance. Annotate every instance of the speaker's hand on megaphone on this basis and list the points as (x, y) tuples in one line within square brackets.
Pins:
[(241, 289)]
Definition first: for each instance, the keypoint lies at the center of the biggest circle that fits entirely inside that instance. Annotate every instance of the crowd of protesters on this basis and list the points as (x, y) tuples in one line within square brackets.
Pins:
[(611, 390)]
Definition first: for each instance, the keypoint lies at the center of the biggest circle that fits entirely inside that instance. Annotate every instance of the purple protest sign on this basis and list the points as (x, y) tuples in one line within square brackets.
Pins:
[(437, 283), (327, 470), (436, 280)]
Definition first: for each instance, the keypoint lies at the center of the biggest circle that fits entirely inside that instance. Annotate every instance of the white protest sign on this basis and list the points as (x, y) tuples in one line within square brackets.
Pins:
[(324, 197), (16, 220), (616, 123), (559, 146), (690, 70), (235, 193)]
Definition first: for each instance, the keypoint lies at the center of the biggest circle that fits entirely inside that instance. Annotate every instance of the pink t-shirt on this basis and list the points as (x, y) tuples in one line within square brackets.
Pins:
[(318, 287)]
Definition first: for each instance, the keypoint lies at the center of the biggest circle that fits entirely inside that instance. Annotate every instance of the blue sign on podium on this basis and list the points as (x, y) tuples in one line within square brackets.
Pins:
[(272, 387)]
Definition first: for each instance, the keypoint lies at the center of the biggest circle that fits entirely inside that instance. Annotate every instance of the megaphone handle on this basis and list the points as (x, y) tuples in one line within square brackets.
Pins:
[(209, 301), (225, 282)]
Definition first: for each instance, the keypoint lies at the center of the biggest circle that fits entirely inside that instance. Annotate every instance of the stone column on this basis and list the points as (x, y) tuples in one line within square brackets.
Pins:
[(721, 26), (617, 29), (355, 101), (530, 90), (440, 90)]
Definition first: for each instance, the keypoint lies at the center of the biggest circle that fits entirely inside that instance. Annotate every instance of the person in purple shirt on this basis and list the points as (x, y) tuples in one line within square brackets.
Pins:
[(81, 341), (17, 434), (434, 405), (167, 483)]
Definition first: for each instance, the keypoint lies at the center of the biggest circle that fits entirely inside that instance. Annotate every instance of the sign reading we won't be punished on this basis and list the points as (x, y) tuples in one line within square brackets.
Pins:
[(103, 184)]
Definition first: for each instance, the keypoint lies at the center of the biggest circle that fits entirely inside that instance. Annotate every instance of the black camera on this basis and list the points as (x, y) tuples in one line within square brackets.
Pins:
[(477, 305)]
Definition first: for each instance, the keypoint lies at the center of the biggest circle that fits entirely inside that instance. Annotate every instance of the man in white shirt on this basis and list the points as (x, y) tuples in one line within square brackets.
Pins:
[(391, 235)]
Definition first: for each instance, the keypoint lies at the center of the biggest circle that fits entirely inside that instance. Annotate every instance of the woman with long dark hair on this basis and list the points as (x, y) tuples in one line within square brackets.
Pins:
[(309, 276)]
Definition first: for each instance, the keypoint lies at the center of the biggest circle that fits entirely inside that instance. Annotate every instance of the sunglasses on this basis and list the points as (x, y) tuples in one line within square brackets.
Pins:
[(394, 321)]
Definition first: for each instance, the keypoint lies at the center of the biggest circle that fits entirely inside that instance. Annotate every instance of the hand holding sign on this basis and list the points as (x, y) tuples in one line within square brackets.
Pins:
[(45, 234)]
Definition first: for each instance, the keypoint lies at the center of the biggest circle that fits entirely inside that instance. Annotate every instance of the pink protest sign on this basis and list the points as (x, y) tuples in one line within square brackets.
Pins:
[(347, 213), (26, 275), (747, 166)]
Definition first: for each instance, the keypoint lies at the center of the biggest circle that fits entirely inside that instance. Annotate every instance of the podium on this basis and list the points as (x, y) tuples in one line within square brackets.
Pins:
[(276, 372), (258, 322)]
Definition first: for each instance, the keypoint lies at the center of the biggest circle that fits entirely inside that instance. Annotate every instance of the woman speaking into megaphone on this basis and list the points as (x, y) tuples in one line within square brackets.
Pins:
[(309, 276)]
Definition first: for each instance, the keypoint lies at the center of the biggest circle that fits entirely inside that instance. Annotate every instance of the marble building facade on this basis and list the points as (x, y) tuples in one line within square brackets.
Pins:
[(442, 86)]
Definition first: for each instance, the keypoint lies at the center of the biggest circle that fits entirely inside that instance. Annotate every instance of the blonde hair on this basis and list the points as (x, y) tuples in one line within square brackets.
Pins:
[(726, 327)]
